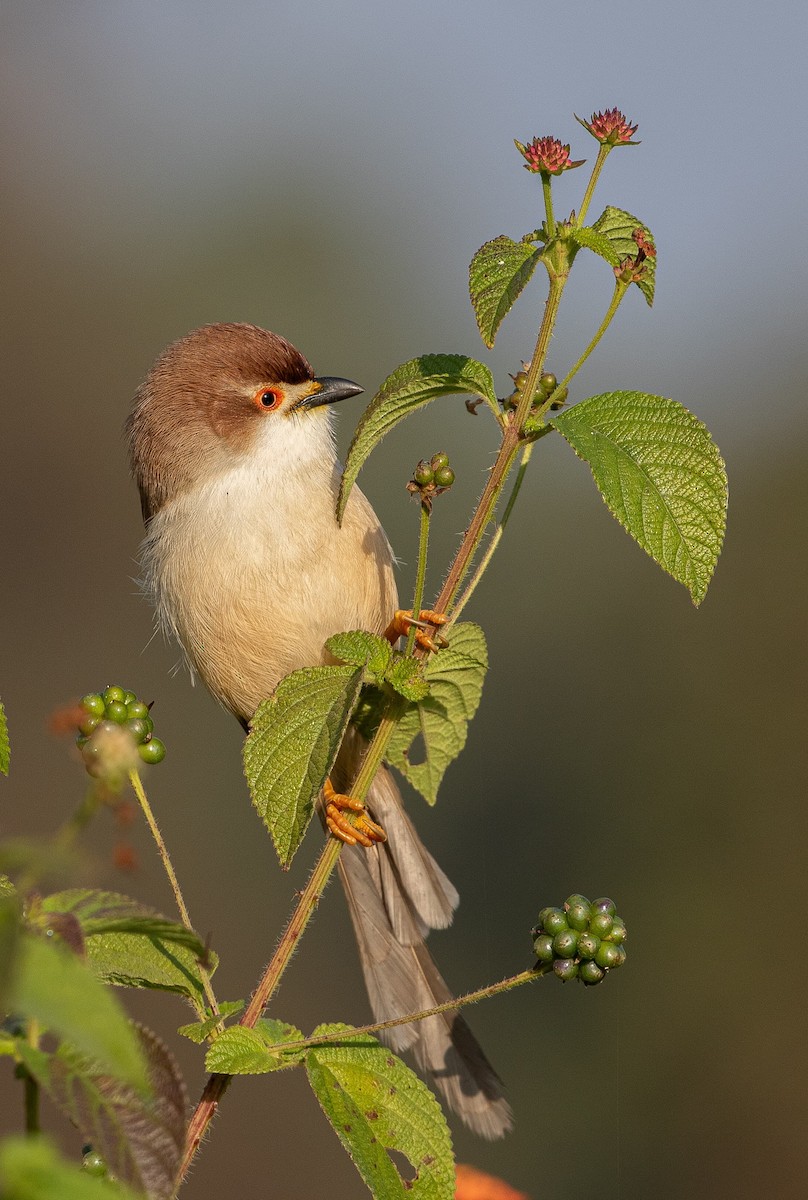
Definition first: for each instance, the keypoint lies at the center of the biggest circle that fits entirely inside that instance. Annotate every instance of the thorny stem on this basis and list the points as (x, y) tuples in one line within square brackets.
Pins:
[(603, 154), (420, 575), (162, 850)]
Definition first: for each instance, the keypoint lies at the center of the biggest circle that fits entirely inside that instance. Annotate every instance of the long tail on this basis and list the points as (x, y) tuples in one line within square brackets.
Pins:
[(396, 893)]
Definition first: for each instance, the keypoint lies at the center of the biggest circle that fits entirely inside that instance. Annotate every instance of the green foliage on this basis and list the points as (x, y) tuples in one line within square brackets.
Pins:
[(5, 748), (592, 239), (200, 1031), (9, 940), (411, 386), (661, 476), (54, 987), (140, 1138), (32, 1169), (376, 1103), (455, 677), (240, 1051), (358, 648), (406, 676), (617, 226), (293, 741), (497, 274), (131, 945)]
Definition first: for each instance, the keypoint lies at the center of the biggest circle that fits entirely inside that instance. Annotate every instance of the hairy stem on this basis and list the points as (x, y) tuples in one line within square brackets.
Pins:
[(547, 190), (603, 154), (420, 574), (162, 850)]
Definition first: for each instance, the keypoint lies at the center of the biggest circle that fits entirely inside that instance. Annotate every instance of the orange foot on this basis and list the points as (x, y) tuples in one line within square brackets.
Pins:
[(363, 830), (403, 620)]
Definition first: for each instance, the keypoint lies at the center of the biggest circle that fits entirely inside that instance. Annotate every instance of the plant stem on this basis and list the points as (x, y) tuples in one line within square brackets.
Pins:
[(32, 1126), (619, 292), (603, 154), (496, 538), (547, 190), (493, 989), (162, 850), (420, 575)]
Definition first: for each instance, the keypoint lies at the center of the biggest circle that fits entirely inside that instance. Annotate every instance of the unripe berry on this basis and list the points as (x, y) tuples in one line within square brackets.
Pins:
[(588, 945), (423, 474), (444, 477), (547, 383), (608, 955), (591, 973), (604, 904), (113, 693), (565, 943), (93, 1164), (519, 380), (152, 751), (116, 711), (439, 460), (138, 728), (129, 697), (578, 916), (618, 932), (89, 723), (543, 948), (565, 969), (136, 708), (93, 703), (601, 924), (554, 921)]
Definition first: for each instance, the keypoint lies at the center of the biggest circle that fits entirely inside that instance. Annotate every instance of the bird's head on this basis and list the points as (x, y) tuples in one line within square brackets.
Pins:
[(225, 394)]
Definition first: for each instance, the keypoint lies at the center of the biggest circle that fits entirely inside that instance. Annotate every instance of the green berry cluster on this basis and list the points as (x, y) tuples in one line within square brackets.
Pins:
[(547, 385), (116, 708), (431, 477), (583, 940)]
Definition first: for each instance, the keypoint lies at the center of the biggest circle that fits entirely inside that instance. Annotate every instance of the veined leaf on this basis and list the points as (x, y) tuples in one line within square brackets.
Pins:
[(661, 476), (498, 272), (455, 677), (411, 386), (56, 988), (293, 741), (5, 748), (240, 1051), (130, 945), (375, 1103), (618, 226), (141, 1139), (31, 1169), (406, 676), (200, 1031), (359, 648), (592, 239)]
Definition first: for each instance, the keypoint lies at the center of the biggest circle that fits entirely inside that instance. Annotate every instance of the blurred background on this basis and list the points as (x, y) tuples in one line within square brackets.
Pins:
[(327, 171)]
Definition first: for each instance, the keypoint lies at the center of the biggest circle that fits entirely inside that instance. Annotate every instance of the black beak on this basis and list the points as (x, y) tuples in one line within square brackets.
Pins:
[(331, 390)]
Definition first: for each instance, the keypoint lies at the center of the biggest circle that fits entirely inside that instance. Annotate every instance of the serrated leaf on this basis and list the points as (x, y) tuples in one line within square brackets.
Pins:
[(410, 387), (617, 226), (455, 677), (497, 274), (359, 648), (375, 1103), (141, 1139), (5, 747), (592, 239), (240, 1051), (130, 945), (293, 741), (63, 994), (406, 676), (200, 1031), (660, 474), (31, 1169)]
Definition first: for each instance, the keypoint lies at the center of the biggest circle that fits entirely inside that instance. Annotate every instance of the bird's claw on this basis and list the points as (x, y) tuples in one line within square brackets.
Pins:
[(403, 620), (363, 830)]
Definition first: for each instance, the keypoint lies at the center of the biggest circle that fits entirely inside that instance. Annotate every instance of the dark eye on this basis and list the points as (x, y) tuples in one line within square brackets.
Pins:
[(267, 398)]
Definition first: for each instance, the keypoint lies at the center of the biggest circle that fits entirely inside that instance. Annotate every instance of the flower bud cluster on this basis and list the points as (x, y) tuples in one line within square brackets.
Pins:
[(583, 940)]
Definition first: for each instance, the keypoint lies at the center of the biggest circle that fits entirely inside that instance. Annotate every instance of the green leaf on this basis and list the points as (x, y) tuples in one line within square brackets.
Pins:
[(141, 1139), (661, 476), (455, 677), (406, 676), (130, 945), (362, 649), (617, 226), (240, 1051), (31, 1169), (497, 274), (592, 239), (411, 386), (5, 748), (60, 992), (200, 1031), (375, 1103), (10, 928), (293, 741)]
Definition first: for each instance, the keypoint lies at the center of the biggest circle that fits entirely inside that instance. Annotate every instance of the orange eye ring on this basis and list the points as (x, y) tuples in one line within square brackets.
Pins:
[(267, 399)]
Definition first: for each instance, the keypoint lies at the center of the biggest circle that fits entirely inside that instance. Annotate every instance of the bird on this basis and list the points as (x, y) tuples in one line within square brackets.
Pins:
[(232, 447)]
